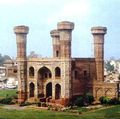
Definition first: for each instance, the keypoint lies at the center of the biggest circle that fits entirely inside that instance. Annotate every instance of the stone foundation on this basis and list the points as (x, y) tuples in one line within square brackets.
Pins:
[(21, 97), (63, 101)]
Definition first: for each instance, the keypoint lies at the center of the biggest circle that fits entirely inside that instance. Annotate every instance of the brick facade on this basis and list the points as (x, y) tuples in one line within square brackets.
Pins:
[(62, 77)]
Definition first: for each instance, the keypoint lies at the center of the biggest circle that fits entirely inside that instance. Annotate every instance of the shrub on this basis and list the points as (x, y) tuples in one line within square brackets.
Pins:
[(25, 104), (7, 100), (84, 100), (114, 101), (104, 100), (79, 101), (88, 99)]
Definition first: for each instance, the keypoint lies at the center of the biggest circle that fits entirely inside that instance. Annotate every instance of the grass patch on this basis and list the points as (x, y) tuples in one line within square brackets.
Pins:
[(8, 93), (108, 113), (34, 114), (1, 105)]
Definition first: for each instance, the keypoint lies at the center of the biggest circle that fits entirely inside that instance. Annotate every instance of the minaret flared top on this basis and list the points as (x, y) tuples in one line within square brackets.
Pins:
[(54, 33), (65, 25), (98, 30), (21, 29)]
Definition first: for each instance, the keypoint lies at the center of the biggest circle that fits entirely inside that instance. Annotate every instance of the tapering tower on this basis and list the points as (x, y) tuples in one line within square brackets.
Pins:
[(65, 31), (98, 35), (56, 43), (21, 40)]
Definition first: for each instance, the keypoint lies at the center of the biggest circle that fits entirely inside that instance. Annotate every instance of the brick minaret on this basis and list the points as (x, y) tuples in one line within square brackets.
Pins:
[(56, 43), (21, 40), (65, 31), (98, 35)]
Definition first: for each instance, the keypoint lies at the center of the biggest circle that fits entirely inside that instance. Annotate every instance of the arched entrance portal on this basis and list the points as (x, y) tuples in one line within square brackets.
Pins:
[(57, 91), (49, 89), (43, 74), (32, 89)]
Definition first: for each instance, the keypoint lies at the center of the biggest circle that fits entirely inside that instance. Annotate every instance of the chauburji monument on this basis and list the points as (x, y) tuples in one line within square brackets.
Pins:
[(62, 77)]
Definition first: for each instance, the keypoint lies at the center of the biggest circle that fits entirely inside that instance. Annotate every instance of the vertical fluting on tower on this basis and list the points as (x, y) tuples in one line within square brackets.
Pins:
[(21, 40), (65, 31), (56, 43), (98, 35)]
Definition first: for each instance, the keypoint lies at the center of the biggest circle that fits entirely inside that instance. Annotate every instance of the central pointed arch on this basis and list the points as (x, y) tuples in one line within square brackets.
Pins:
[(44, 73)]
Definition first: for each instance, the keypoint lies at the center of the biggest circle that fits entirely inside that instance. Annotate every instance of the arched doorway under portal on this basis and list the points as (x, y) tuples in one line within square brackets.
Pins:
[(57, 91), (49, 90), (43, 75), (32, 89)]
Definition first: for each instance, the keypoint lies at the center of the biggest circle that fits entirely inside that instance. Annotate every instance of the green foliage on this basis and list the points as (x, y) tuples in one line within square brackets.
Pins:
[(79, 101), (114, 101), (104, 100), (8, 96), (25, 104), (89, 99), (107, 101), (83, 100), (7, 100), (109, 67), (3, 58)]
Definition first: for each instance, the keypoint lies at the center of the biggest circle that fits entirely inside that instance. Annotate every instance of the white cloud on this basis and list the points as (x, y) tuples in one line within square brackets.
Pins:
[(70, 10), (11, 2), (20, 2), (76, 8)]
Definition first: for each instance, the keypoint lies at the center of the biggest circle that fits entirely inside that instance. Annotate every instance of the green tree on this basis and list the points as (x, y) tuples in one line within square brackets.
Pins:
[(3, 58), (109, 67), (33, 55)]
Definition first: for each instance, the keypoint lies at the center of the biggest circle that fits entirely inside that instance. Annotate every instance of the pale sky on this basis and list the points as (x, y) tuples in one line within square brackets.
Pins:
[(42, 16)]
